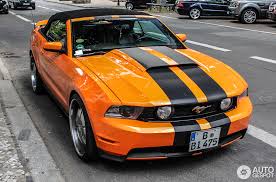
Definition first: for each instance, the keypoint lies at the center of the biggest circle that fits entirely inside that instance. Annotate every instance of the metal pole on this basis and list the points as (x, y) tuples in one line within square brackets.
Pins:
[(118, 3)]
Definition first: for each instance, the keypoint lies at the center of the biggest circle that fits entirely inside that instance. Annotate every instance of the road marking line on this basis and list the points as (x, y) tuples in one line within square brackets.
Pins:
[(263, 59), (226, 26), (22, 18), (12, 13), (208, 46), (262, 135), (49, 8), (238, 28), (165, 16)]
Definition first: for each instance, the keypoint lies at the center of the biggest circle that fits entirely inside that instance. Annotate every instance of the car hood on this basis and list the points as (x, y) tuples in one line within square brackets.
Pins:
[(162, 76)]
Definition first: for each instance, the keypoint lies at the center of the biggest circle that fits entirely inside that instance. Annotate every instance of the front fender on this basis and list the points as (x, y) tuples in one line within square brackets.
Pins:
[(251, 5)]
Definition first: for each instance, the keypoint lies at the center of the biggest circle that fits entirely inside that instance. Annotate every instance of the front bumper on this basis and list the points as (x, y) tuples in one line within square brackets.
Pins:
[(234, 11), (272, 16), (181, 11), (121, 139)]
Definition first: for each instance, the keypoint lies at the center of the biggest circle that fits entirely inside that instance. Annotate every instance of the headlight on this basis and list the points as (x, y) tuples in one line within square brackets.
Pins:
[(164, 112), (126, 112), (225, 104)]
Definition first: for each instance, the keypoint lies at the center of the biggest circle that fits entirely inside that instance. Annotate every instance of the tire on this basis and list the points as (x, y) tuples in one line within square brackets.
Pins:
[(249, 16), (37, 84), (82, 136), (6, 12), (129, 6), (194, 13), (33, 7)]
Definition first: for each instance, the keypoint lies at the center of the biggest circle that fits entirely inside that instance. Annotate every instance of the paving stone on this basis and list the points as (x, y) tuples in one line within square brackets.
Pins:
[(11, 168)]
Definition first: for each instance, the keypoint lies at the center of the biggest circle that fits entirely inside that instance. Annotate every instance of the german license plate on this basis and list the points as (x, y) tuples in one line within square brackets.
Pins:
[(26, 4), (205, 139)]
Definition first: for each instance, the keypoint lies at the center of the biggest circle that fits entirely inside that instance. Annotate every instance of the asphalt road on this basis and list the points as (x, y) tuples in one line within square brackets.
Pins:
[(243, 47)]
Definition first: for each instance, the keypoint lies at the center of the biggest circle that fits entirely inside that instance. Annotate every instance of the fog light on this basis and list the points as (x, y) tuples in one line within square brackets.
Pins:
[(164, 112), (225, 104)]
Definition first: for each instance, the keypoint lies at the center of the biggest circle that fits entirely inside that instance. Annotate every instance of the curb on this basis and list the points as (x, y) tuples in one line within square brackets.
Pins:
[(82, 6), (39, 161)]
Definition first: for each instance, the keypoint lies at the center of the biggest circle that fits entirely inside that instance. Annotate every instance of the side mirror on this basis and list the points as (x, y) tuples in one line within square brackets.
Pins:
[(53, 46), (182, 37), (41, 23)]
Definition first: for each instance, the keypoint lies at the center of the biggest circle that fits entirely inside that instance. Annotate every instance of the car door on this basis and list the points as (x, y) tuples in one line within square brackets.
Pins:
[(216, 7), (56, 65)]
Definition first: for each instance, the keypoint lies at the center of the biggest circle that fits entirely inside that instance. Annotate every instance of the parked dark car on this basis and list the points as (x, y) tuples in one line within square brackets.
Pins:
[(248, 11), (4, 7), (136, 4), (197, 8), (272, 11), (14, 4)]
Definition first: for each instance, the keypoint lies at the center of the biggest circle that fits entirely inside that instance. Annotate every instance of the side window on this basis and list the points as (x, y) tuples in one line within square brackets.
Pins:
[(148, 26), (57, 32), (149, 29)]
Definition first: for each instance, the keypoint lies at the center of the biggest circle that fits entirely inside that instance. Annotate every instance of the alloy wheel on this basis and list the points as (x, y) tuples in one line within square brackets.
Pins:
[(194, 13), (34, 78), (77, 127), (250, 16), (129, 6)]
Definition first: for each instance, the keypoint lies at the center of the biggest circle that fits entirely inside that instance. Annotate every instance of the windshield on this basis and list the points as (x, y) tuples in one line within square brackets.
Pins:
[(98, 37)]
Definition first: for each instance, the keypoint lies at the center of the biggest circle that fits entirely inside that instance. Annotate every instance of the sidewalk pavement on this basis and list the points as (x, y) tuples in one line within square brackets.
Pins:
[(93, 4), (23, 154), (11, 168)]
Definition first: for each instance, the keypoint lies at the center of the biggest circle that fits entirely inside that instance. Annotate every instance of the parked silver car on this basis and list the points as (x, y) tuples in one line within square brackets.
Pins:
[(272, 11), (248, 11)]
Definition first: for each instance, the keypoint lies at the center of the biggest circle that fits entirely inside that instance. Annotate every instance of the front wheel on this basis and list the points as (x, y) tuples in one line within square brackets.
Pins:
[(249, 16), (129, 6), (194, 13), (81, 130), (33, 7)]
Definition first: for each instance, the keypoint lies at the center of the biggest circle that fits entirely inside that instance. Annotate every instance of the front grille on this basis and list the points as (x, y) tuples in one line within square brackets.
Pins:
[(184, 112), (178, 151)]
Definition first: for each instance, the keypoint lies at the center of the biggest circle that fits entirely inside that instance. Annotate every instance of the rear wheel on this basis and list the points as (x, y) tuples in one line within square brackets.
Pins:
[(194, 13), (249, 16), (129, 6), (33, 7), (81, 130)]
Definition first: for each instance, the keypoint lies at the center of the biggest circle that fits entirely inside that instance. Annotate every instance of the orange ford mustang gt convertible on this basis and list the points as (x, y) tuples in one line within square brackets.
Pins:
[(132, 90)]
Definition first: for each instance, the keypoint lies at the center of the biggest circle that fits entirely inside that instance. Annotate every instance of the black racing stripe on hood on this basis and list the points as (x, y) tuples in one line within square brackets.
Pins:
[(209, 86), (220, 120), (183, 130), (176, 56), (146, 59), (173, 86)]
